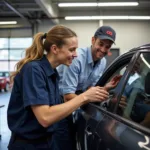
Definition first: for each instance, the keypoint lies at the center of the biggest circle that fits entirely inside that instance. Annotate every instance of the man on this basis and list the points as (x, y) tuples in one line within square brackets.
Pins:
[(87, 68)]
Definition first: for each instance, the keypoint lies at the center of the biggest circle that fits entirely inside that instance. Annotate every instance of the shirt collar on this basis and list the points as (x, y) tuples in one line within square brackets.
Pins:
[(47, 67), (90, 58)]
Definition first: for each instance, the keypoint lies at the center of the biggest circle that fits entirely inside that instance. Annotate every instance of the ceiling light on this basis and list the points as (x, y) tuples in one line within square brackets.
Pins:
[(139, 17), (118, 4), (7, 22), (78, 18), (107, 18), (77, 4), (98, 4)]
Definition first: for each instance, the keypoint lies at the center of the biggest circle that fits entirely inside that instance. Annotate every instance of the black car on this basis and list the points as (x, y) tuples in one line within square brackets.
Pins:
[(122, 122)]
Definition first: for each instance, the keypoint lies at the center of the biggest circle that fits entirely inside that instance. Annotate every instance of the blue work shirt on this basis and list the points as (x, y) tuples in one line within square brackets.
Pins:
[(81, 74), (36, 84)]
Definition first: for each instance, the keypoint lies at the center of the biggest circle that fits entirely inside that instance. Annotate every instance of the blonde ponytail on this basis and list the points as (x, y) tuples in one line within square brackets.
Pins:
[(34, 52)]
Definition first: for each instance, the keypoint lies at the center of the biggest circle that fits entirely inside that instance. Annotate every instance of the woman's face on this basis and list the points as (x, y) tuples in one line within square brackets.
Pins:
[(68, 51)]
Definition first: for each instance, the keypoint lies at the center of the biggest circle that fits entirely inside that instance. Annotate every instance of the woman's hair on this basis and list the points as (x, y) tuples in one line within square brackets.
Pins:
[(56, 35)]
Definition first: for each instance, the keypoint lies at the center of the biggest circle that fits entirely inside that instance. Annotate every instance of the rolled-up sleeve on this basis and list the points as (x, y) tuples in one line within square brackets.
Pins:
[(34, 86), (71, 77)]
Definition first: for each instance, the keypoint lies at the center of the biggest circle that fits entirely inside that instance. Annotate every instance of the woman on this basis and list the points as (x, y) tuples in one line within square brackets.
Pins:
[(36, 114)]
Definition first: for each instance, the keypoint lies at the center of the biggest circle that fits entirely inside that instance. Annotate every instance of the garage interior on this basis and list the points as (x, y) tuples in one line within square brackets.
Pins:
[(21, 20)]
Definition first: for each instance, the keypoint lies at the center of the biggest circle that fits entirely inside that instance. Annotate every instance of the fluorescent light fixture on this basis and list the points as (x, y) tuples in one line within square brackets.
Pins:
[(7, 22), (118, 4), (77, 4), (139, 17), (78, 18), (98, 4), (107, 18)]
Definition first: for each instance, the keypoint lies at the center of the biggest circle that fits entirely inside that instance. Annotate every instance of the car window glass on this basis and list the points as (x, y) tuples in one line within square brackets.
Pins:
[(120, 71), (135, 102)]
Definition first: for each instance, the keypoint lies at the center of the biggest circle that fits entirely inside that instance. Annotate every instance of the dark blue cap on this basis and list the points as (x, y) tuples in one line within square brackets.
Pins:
[(106, 32)]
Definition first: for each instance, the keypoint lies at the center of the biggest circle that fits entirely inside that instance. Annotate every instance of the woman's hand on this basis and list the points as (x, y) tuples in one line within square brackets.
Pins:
[(113, 82), (95, 94)]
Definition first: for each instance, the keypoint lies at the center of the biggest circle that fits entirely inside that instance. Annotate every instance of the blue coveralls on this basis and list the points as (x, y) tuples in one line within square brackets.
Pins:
[(36, 84)]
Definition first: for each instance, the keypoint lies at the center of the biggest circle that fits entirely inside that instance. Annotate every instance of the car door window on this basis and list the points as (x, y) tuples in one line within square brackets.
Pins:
[(120, 71), (135, 101), (106, 104)]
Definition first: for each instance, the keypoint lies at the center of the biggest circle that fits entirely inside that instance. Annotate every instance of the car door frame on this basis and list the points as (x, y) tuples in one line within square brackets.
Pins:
[(130, 57), (93, 111)]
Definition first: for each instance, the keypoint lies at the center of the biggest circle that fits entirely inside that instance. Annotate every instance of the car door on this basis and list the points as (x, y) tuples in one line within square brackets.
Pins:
[(89, 116), (125, 128), (128, 127), (112, 129)]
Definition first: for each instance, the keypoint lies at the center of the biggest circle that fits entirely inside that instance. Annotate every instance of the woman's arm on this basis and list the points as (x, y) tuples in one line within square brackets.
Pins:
[(47, 115)]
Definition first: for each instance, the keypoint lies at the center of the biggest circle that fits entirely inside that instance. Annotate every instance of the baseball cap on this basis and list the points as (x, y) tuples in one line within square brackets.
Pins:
[(106, 32)]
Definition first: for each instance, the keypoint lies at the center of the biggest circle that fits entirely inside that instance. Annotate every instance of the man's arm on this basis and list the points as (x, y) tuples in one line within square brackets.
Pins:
[(113, 82)]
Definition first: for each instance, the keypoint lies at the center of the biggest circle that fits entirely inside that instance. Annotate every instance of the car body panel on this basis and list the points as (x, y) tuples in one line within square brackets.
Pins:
[(109, 131)]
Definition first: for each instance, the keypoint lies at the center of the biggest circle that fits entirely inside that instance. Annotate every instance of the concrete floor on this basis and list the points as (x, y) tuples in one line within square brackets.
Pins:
[(4, 131)]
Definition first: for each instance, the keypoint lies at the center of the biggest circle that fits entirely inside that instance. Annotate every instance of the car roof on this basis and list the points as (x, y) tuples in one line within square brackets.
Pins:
[(146, 46)]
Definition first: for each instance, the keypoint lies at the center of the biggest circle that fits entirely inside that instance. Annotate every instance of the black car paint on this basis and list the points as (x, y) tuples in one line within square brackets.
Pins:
[(99, 129)]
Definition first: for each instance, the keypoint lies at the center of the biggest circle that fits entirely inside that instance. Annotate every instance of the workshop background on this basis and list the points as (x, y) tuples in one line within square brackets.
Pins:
[(20, 20)]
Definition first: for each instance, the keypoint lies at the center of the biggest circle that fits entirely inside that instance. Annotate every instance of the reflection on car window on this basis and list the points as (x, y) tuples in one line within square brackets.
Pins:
[(120, 71), (135, 101), (106, 104)]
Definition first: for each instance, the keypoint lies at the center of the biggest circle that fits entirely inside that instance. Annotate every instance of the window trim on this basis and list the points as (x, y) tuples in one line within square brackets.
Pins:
[(124, 82), (127, 75), (116, 62)]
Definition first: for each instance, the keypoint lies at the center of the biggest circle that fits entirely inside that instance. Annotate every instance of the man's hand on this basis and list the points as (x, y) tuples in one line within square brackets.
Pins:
[(113, 82)]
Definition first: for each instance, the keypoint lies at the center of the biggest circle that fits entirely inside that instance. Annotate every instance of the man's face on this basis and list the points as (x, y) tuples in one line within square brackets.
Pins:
[(100, 48)]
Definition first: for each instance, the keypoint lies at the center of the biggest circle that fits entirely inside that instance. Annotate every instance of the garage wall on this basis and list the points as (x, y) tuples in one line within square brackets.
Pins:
[(129, 33), (45, 25), (21, 29), (20, 32), (84, 30), (24, 29)]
